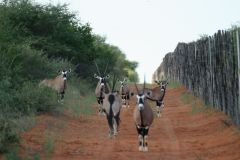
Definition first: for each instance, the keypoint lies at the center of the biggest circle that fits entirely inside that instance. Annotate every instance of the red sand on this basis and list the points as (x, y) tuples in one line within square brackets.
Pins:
[(177, 135)]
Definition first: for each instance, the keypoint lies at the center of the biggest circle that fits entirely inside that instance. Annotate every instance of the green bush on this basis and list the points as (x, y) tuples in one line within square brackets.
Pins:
[(8, 131), (36, 41), (21, 70)]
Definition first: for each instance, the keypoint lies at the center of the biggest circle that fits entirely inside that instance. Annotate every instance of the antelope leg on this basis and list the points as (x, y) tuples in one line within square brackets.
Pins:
[(140, 138), (145, 138), (145, 148), (158, 111)]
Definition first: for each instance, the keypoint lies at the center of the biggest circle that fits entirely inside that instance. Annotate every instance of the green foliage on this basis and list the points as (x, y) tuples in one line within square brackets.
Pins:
[(13, 155), (197, 106), (8, 132), (187, 98), (48, 146), (174, 84), (79, 98), (36, 41)]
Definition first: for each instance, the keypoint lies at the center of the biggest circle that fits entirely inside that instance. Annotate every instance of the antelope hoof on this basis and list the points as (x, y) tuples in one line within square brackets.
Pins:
[(101, 112), (158, 114), (115, 133), (145, 149), (140, 148), (110, 135)]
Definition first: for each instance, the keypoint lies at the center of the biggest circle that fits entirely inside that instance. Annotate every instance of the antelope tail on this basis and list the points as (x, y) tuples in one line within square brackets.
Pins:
[(111, 99)]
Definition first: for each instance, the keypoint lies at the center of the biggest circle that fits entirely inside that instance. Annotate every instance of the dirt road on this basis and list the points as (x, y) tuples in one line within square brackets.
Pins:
[(177, 135)]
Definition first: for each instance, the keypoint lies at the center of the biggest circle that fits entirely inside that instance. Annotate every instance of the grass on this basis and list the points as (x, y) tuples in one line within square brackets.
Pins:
[(48, 146), (79, 99), (196, 104), (25, 123), (237, 130), (13, 155), (187, 98), (173, 84)]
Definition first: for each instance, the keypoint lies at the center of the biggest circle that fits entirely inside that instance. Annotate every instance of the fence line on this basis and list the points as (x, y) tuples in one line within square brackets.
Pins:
[(210, 69)]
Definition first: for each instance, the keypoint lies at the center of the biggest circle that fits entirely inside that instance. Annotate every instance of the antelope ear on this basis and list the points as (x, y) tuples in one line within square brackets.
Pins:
[(59, 71), (95, 75), (69, 71), (107, 76), (148, 93)]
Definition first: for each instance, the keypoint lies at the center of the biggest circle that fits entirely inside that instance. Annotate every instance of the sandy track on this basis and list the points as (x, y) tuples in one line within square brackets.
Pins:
[(177, 135)]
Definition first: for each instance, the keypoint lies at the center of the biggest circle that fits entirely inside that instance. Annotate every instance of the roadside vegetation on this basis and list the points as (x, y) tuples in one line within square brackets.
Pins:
[(173, 84), (196, 104), (36, 41)]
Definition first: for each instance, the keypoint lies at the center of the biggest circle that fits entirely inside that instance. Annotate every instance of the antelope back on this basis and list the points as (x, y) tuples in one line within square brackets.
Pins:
[(58, 83), (147, 115), (116, 104)]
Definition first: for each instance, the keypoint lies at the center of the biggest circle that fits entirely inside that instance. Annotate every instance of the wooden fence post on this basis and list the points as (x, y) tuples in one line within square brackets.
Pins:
[(238, 53)]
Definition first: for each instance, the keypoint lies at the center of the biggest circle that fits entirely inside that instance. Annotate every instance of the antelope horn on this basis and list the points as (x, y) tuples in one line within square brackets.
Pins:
[(136, 87), (144, 84), (106, 68), (97, 68)]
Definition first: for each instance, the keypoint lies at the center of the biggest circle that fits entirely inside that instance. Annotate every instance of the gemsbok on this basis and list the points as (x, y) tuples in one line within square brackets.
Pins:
[(58, 83), (157, 94), (125, 92), (112, 104), (101, 88), (143, 117)]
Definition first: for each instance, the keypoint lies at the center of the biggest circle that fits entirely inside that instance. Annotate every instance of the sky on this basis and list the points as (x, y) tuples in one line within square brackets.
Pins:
[(146, 30)]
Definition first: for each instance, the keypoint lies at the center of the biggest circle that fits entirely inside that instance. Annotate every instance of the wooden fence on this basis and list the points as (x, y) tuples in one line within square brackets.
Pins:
[(209, 68)]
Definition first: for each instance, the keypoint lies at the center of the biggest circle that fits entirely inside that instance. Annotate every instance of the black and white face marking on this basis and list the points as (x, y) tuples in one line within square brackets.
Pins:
[(162, 85), (122, 82), (102, 80), (140, 101), (64, 74)]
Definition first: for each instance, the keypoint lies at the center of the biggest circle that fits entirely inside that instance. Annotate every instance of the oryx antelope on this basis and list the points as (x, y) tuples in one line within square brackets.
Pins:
[(157, 94), (125, 92), (143, 117), (112, 105), (101, 88), (58, 83)]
